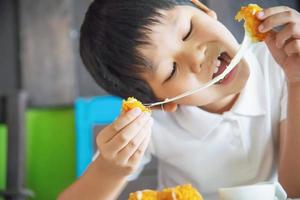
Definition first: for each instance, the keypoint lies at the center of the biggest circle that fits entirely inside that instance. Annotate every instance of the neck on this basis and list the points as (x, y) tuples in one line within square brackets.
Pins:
[(222, 105)]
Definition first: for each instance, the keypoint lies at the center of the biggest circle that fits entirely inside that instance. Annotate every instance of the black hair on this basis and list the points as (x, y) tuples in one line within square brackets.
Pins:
[(110, 35)]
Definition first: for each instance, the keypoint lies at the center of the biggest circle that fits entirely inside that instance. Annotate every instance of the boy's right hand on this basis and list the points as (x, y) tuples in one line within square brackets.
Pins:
[(123, 143)]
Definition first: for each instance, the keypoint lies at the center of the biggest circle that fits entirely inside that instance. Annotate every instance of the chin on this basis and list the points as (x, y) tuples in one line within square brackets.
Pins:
[(242, 76), (221, 92)]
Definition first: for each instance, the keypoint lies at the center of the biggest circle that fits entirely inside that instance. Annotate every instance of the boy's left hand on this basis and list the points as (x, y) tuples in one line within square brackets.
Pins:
[(284, 44)]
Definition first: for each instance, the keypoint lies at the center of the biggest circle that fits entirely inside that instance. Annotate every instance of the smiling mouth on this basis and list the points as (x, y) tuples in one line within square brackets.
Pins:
[(224, 61)]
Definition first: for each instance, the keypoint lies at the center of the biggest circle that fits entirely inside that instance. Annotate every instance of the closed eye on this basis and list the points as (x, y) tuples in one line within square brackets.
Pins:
[(172, 73), (189, 33)]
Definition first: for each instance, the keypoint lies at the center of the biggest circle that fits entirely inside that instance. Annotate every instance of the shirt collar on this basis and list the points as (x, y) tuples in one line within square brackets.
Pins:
[(196, 120), (250, 103)]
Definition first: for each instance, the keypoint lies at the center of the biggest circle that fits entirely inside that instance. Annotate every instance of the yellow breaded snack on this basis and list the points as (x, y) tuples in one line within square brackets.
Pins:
[(131, 103), (143, 195), (181, 192), (251, 22)]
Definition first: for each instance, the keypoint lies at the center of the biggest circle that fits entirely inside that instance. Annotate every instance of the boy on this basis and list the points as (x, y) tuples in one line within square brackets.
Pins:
[(233, 133)]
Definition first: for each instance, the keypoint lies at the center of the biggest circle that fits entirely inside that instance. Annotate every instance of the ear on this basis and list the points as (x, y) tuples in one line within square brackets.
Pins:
[(205, 9), (168, 107)]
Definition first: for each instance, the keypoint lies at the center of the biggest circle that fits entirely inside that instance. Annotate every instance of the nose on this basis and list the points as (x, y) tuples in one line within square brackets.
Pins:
[(195, 58)]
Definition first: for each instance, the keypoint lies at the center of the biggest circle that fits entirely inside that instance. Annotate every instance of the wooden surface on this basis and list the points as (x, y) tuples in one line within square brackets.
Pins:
[(52, 71), (9, 65), (47, 57), (86, 85)]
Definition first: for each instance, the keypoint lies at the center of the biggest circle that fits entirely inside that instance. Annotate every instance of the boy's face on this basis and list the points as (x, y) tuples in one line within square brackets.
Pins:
[(184, 53)]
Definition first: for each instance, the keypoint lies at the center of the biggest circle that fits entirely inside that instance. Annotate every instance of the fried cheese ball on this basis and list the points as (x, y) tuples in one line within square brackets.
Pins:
[(181, 192), (131, 103), (251, 24)]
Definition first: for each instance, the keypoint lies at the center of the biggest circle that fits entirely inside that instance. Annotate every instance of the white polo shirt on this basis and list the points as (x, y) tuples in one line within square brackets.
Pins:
[(238, 147), (221, 150)]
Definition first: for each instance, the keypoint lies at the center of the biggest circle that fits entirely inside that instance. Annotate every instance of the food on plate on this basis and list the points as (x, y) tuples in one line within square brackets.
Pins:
[(181, 192)]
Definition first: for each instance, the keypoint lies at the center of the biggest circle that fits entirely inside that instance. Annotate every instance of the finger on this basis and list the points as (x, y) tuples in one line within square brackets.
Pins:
[(129, 132), (278, 54), (292, 47), (278, 19), (267, 12), (291, 31), (138, 154), (125, 119), (120, 123), (124, 154)]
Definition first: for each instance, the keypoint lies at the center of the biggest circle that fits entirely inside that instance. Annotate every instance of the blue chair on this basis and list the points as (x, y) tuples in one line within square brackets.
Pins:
[(89, 112)]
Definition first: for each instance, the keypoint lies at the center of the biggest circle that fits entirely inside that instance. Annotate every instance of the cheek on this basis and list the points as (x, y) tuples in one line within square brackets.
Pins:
[(203, 97), (186, 82), (174, 88)]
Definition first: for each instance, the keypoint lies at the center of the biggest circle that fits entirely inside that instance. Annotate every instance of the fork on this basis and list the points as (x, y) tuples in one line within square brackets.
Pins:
[(236, 59)]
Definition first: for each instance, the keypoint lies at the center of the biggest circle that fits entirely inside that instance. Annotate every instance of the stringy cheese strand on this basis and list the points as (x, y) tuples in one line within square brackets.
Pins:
[(236, 59)]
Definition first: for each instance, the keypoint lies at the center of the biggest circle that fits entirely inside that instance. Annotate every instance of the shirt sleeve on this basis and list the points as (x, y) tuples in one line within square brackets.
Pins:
[(283, 103)]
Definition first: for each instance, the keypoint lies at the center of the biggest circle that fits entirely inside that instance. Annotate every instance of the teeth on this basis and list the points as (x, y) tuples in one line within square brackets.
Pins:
[(216, 69), (217, 64)]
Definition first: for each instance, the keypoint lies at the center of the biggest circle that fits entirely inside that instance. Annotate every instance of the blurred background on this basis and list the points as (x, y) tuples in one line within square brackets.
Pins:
[(41, 81)]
